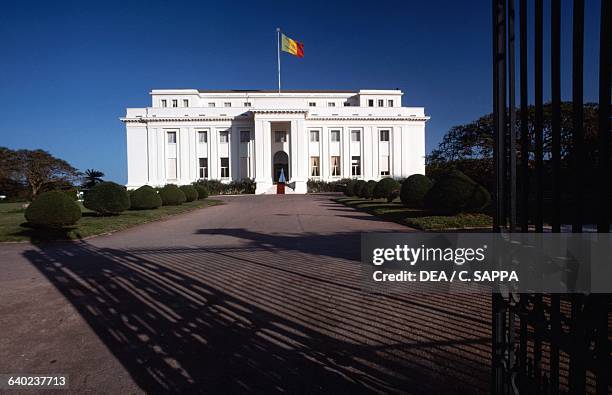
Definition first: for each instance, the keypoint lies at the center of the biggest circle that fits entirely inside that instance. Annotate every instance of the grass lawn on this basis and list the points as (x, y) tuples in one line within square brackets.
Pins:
[(418, 218), (13, 228)]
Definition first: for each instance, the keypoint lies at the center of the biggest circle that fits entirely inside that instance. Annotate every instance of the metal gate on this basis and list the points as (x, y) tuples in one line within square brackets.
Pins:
[(549, 343)]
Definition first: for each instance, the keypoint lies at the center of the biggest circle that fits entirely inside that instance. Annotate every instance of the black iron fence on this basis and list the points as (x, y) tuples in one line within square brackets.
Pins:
[(549, 344)]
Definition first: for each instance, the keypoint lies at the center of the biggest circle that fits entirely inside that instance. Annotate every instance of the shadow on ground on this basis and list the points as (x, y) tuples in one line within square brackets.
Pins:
[(268, 314)]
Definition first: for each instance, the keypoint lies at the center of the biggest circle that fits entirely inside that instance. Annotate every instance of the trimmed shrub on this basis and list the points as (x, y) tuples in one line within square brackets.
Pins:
[(359, 185), (53, 209), (144, 198), (190, 192), (394, 194), (72, 193), (171, 195), (455, 193), (384, 187), (350, 188), (414, 189), (367, 191), (107, 198), (216, 187), (202, 191)]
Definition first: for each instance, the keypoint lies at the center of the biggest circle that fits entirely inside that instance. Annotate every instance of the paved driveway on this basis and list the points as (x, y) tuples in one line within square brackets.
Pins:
[(258, 295)]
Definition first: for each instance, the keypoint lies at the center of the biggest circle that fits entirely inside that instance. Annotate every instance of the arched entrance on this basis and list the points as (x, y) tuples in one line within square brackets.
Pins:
[(280, 161)]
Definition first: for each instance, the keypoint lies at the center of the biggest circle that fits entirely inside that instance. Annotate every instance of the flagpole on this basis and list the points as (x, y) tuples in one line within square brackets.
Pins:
[(278, 57)]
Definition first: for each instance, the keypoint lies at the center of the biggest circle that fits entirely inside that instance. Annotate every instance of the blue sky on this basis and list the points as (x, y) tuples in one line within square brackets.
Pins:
[(68, 69)]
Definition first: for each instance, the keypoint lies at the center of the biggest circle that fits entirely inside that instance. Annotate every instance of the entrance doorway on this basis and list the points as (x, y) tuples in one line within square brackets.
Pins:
[(280, 161)]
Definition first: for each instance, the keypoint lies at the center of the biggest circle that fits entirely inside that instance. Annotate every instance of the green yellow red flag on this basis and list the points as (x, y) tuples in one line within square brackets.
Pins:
[(291, 46)]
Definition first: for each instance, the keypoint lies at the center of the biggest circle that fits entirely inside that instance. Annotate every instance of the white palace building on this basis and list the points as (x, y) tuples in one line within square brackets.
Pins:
[(227, 135)]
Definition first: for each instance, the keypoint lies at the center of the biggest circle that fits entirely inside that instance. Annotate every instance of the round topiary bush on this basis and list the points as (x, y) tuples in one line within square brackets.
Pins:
[(144, 198), (368, 190), (190, 192), (171, 195), (414, 189), (53, 209), (394, 194), (359, 185), (202, 191), (350, 188), (107, 198), (454, 193), (384, 187)]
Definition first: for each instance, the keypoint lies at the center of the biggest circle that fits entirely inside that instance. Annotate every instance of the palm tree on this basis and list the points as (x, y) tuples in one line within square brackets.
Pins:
[(92, 177)]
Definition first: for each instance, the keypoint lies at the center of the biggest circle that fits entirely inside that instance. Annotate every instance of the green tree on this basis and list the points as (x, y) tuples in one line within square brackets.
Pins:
[(469, 147), (39, 169), (91, 177)]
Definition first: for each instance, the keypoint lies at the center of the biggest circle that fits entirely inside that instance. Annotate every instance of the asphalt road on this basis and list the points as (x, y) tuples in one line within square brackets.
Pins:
[(261, 294)]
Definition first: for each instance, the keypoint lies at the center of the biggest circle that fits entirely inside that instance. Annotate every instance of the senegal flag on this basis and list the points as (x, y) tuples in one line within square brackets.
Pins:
[(293, 47)]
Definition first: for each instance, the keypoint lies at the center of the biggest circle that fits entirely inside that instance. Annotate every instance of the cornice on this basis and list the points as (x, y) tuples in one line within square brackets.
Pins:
[(308, 118)]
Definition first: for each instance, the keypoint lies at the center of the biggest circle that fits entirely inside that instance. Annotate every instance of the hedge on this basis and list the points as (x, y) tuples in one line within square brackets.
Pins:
[(53, 209), (190, 192), (171, 195), (384, 187), (144, 198), (367, 192), (359, 185), (414, 189), (350, 188), (455, 193), (107, 198), (202, 191)]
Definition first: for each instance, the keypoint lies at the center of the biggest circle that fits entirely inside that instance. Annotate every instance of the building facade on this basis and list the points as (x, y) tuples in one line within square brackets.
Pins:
[(187, 135)]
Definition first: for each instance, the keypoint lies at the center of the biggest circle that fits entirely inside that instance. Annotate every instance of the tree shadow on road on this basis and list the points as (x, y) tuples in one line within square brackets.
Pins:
[(259, 317)]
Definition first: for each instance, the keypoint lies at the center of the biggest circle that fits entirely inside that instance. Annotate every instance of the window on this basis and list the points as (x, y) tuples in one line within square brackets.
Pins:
[(390, 103), (244, 167), (314, 166), (247, 104), (335, 135), (164, 103), (245, 136), (280, 137), (227, 104), (171, 137), (371, 103), (224, 136), (312, 104), (384, 165), (171, 174), (211, 104), (355, 165), (335, 166), (355, 135), (347, 104), (331, 104), (185, 103), (203, 169), (203, 137), (381, 103), (314, 136), (174, 102), (225, 170), (384, 135)]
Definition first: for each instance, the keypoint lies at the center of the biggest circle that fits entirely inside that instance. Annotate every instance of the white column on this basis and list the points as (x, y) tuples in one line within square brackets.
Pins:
[(152, 160), (263, 172), (345, 153), (324, 153), (234, 152), (396, 152), (213, 160), (367, 154), (161, 154)]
